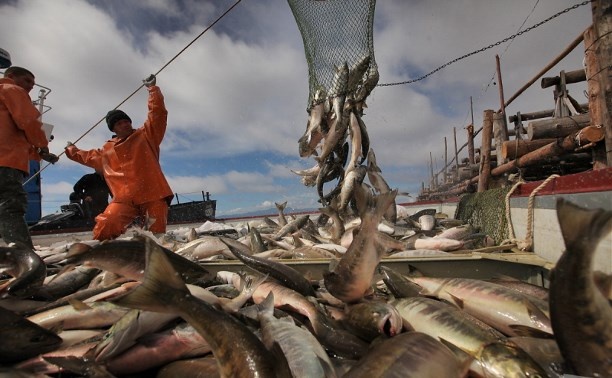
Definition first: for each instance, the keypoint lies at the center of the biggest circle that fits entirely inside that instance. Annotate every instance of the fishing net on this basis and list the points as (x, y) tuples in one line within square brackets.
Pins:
[(486, 211), (334, 32)]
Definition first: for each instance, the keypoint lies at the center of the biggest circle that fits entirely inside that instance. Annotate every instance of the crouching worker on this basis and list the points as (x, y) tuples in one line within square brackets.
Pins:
[(129, 162)]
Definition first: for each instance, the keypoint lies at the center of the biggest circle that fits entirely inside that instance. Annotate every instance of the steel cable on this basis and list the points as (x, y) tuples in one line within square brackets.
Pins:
[(141, 85)]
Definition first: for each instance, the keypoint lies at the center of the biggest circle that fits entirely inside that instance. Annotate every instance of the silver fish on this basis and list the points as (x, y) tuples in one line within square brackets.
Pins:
[(380, 185), (158, 349), (356, 72), (22, 339), (351, 278), (355, 135), (371, 319), (27, 269), (285, 274), (292, 226), (80, 316), (127, 258), (305, 356), (513, 313), (410, 354), (330, 334), (315, 129), (494, 355), (282, 221), (349, 185), (238, 351), (581, 315)]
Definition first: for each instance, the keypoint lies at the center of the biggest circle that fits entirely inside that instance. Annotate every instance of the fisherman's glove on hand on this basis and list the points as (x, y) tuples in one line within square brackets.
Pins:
[(149, 81), (47, 156)]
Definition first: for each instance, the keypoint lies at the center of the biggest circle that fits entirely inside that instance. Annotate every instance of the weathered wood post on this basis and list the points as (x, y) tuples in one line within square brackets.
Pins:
[(456, 177), (431, 170), (470, 143), (598, 58), (445, 161), (500, 133), (485, 151)]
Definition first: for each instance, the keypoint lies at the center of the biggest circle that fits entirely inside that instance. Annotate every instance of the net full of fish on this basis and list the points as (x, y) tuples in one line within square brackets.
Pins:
[(153, 304)]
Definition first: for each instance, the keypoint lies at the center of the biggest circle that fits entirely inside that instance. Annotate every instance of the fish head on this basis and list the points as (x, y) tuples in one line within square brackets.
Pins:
[(508, 360)]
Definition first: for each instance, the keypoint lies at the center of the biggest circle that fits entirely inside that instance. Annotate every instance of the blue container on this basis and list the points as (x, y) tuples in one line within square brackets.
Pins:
[(32, 188)]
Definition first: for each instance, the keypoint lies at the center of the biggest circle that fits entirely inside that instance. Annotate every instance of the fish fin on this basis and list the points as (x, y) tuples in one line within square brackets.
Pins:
[(193, 235), (297, 242), (66, 268), (456, 300), (503, 277), (250, 283), (390, 243), (464, 357), (526, 331), (77, 249), (79, 365), (410, 240), (57, 329), (604, 282), (413, 271), (79, 305), (160, 284), (462, 354), (534, 311), (328, 370), (333, 263), (266, 307)]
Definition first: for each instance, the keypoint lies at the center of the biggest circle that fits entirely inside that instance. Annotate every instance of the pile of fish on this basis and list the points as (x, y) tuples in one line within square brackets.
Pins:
[(334, 115), (146, 305)]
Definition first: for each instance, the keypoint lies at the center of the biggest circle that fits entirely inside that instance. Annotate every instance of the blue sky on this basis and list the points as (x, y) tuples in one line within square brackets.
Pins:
[(237, 96)]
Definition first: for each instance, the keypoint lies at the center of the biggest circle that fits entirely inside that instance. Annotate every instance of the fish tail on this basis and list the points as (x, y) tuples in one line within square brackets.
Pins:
[(378, 205), (267, 306), (161, 285), (582, 228), (280, 206), (77, 249)]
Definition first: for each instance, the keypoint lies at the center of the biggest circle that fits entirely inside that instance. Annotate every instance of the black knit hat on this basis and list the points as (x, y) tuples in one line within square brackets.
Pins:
[(115, 116)]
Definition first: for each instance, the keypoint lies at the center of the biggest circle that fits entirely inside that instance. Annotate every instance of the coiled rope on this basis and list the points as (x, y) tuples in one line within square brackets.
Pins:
[(527, 243)]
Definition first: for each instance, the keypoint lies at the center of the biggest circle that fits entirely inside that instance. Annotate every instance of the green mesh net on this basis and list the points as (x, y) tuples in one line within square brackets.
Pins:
[(486, 211), (335, 32)]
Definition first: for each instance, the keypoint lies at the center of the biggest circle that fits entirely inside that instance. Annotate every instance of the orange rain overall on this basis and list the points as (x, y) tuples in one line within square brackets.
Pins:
[(20, 134), (132, 171)]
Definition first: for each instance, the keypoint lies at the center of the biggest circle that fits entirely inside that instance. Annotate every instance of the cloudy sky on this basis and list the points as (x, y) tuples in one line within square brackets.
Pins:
[(237, 96)]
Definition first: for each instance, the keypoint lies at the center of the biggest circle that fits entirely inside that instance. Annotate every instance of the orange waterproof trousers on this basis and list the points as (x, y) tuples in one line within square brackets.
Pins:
[(115, 220)]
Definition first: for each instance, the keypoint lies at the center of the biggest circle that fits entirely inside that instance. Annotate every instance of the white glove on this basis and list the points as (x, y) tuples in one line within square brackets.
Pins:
[(149, 81)]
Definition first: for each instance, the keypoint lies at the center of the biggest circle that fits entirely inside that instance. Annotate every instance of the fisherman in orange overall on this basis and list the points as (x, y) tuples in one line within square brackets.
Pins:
[(21, 139), (130, 165)]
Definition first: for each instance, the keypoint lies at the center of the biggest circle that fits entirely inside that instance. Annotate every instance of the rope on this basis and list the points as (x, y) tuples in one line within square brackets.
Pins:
[(510, 38), (141, 85), (508, 215), (527, 243)]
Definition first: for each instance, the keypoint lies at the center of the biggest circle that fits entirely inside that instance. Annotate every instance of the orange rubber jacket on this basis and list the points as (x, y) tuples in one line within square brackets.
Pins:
[(20, 127), (131, 166)]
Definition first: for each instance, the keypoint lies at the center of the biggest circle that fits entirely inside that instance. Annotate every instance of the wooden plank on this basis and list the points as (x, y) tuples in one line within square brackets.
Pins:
[(557, 127), (570, 78), (515, 148)]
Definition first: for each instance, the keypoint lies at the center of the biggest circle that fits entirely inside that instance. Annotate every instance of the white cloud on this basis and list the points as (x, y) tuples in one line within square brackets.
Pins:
[(242, 87)]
